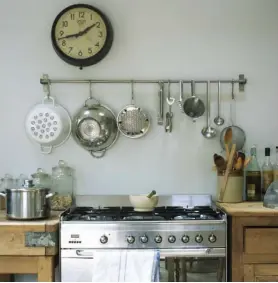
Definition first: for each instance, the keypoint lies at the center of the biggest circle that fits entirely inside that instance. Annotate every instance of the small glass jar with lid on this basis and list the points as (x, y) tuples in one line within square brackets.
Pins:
[(62, 185), (41, 179)]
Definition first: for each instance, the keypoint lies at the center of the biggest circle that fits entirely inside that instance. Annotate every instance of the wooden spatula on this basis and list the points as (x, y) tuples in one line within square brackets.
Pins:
[(227, 172), (227, 140)]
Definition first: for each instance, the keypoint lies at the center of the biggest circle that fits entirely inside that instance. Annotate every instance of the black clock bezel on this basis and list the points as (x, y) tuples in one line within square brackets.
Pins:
[(95, 58)]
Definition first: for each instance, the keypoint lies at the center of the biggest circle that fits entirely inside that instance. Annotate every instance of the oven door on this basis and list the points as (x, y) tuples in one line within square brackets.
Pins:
[(193, 265), (181, 265)]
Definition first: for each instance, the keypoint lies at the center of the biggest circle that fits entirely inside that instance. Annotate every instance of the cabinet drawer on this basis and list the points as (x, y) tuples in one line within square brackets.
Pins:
[(261, 240)]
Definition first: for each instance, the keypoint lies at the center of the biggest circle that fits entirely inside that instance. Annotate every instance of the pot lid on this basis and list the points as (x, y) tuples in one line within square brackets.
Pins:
[(62, 168)]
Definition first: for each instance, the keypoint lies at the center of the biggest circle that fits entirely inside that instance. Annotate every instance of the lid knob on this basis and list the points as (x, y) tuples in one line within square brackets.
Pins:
[(28, 183)]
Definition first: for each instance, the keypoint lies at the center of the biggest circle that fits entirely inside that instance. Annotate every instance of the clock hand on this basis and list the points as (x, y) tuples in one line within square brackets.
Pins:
[(76, 35)]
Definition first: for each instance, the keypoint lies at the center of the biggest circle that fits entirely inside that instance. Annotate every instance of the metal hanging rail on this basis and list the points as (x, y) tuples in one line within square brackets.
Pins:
[(45, 80)]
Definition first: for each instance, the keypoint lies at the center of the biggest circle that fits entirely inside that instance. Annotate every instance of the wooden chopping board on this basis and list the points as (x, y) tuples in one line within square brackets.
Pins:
[(247, 209)]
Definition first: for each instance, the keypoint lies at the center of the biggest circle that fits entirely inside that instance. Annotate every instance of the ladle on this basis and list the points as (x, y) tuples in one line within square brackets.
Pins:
[(208, 131), (219, 121)]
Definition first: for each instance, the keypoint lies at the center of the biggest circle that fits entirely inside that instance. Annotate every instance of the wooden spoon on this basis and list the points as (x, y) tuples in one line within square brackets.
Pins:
[(228, 139), (220, 162), (227, 172)]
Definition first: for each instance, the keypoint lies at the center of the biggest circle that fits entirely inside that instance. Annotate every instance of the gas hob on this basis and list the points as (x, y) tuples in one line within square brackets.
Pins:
[(169, 227)]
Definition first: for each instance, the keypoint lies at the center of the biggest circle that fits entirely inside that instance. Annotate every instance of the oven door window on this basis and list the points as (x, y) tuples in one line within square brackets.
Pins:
[(193, 269)]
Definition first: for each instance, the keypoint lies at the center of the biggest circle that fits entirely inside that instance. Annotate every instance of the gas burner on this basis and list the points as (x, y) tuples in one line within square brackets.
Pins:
[(128, 214)]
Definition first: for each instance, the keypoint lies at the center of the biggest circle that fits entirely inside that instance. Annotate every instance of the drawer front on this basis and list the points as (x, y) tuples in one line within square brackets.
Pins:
[(261, 240)]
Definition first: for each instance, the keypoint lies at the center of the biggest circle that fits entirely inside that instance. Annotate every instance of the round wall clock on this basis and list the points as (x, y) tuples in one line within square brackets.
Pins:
[(81, 35)]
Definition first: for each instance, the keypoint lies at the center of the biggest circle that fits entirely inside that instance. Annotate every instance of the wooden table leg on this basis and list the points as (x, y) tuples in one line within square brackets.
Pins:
[(46, 269)]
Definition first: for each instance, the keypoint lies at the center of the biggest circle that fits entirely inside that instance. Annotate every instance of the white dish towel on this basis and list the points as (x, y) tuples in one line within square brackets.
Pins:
[(126, 266)]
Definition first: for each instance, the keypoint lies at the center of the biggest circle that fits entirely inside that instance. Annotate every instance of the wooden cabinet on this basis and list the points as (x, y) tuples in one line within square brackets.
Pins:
[(261, 272), (252, 242)]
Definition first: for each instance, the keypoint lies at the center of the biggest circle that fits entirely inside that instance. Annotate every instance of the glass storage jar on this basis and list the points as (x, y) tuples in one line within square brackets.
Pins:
[(42, 179), (62, 185)]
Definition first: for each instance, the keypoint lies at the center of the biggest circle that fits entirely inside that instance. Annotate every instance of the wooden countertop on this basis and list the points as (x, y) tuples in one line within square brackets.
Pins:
[(52, 221), (247, 209)]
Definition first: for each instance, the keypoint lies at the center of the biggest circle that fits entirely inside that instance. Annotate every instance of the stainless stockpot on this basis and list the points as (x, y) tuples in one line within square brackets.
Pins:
[(27, 202)]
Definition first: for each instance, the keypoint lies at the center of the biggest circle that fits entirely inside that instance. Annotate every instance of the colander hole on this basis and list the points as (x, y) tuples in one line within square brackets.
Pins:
[(45, 120), (35, 117), (47, 136), (38, 127), (55, 129), (39, 121), (47, 130), (41, 114), (42, 131), (43, 125), (33, 122), (49, 124), (46, 114), (40, 136), (32, 128), (55, 123), (51, 117), (52, 134), (35, 133)]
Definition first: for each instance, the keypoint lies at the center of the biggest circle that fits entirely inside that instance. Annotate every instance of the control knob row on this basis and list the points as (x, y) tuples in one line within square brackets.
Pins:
[(171, 239), (158, 239)]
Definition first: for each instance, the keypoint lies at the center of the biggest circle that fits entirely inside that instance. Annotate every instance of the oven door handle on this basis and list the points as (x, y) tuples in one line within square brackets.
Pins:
[(199, 252), (84, 253)]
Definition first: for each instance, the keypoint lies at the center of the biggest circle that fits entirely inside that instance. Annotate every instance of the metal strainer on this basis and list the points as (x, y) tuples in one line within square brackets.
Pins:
[(132, 121)]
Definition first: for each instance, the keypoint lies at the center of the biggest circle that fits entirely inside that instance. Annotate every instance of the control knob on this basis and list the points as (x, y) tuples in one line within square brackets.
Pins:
[(130, 239), (103, 239), (144, 239), (172, 239), (212, 238), (185, 239), (199, 239), (158, 239)]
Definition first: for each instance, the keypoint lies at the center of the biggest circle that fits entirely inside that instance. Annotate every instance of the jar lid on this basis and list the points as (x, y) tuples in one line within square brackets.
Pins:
[(40, 174), (62, 168)]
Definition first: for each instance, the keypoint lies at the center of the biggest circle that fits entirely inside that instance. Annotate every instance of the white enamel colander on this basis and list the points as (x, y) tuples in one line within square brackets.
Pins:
[(48, 124)]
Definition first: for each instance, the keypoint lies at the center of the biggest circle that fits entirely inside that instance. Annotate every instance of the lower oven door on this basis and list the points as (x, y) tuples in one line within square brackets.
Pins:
[(181, 265)]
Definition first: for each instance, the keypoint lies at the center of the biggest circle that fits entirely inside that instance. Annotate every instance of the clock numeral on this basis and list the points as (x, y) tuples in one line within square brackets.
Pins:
[(80, 53), (90, 50), (97, 44), (98, 24), (61, 33), (65, 24), (81, 14), (64, 43), (72, 16), (100, 34), (70, 49)]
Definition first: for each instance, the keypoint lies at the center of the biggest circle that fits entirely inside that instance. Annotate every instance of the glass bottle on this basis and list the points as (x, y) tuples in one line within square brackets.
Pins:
[(253, 178), (267, 169), (275, 167), (62, 185), (41, 179)]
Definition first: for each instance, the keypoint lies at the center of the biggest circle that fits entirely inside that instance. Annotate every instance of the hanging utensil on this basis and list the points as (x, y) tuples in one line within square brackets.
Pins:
[(169, 114), (48, 124), (95, 127), (219, 121), (238, 136), (193, 106), (181, 97), (132, 121), (208, 131), (161, 103)]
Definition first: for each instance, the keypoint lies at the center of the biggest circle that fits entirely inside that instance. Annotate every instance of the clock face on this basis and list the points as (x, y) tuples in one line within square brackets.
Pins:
[(82, 35)]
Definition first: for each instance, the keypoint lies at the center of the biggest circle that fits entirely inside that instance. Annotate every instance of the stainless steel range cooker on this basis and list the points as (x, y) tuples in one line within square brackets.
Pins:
[(191, 240)]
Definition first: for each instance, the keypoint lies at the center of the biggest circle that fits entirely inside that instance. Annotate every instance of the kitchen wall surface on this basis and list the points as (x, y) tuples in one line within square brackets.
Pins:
[(190, 39)]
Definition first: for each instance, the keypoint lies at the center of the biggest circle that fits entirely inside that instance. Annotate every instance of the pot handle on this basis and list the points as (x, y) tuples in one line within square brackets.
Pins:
[(50, 195), (91, 98), (98, 154), (46, 149), (3, 194)]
